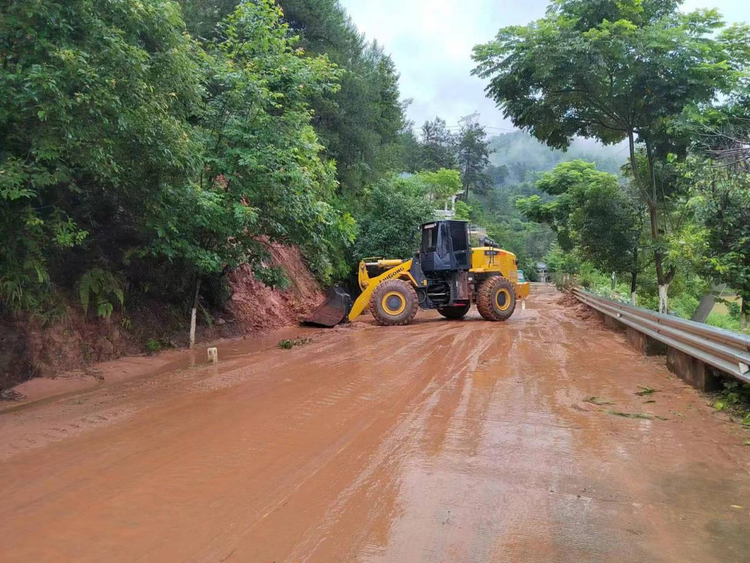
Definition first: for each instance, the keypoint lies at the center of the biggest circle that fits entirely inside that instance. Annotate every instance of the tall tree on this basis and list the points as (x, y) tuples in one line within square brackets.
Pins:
[(389, 225), (411, 149), (720, 176), (614, 70), (359, 125), (498, 174), (438, 146), (590, 212), (262, 177), (474, 158), (130, 152), (95, 102)]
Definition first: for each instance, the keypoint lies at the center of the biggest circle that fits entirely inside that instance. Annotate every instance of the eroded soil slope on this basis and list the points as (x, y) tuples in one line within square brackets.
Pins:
[(30, 348)]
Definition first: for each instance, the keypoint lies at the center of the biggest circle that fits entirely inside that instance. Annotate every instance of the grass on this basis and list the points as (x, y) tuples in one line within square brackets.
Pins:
[(734, 399), (153, 346), (289, 344), (727, 322)]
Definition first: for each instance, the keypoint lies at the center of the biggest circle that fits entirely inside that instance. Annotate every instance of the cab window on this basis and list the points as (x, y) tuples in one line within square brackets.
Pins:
[(429, 238)]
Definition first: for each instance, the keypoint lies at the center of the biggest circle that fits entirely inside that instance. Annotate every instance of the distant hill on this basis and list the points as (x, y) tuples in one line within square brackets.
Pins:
[(522, 154)]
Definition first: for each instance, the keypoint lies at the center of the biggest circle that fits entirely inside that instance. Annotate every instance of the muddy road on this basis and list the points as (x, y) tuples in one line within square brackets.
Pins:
[(440, 441)]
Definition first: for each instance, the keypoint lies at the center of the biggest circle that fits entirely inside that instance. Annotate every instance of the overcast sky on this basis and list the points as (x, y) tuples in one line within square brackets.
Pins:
[(431, 41)]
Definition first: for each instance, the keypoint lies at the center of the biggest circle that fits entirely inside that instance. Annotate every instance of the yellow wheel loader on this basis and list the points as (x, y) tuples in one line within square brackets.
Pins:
[(446, 274)]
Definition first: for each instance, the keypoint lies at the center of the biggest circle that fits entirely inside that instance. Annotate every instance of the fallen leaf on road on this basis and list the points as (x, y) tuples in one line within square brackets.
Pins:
[(630, 414), (597, 401)]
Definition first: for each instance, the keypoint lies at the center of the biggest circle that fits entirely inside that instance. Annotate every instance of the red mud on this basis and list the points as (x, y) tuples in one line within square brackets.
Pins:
[(440, 441), (29, 350), (259, 308)]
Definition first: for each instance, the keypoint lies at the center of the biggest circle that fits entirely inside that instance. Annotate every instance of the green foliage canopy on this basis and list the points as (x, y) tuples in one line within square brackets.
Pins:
[(262, 177), (590, 213), (614, 70), (722, 206), (94, 107), (607, 69), (130, 149), (360, 125), (439, 186), (438, 147), (474, 158), (389, 228)]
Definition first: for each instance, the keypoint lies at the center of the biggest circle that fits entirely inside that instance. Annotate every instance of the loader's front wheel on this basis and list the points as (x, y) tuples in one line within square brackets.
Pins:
[(496, 299), (455, 312), (394, 302)]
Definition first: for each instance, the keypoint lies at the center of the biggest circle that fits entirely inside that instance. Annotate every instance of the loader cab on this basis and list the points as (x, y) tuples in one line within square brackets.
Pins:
[(445, 246)]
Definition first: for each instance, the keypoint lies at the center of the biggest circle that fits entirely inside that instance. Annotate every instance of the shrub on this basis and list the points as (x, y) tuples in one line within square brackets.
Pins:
[(153, 346)]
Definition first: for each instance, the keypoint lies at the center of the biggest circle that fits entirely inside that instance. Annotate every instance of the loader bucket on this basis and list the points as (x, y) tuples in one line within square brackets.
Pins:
[(333, 311)]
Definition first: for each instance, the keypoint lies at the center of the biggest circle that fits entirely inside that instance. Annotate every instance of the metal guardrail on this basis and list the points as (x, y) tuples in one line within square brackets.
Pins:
[(722, 349)]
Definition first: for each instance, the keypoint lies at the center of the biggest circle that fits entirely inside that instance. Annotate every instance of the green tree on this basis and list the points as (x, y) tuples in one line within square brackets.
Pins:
[(591, 214), (389, 227), (411, 150), (498, 174), (439, 186), (474, 158), (614, 70), (722, 205), (262, 177), (438, 147), (360, 125), (130, 153), (95, 102)]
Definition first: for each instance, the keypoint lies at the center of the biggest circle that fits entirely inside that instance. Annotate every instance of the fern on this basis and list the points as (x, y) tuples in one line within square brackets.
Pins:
[(106, 289)]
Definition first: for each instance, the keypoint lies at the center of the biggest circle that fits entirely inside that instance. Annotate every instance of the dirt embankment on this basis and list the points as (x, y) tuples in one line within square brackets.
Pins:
[(30, 348), (258, 308)]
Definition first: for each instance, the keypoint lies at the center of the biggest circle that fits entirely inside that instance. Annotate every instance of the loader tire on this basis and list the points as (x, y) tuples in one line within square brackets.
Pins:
[(394, 302), (496, 299), (454, 313)]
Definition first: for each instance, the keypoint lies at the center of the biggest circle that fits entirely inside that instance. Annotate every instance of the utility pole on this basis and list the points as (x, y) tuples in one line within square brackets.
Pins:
[(469, 120)]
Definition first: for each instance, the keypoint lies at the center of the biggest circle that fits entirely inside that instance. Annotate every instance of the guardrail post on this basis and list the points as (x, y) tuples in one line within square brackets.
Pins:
[(613, 323), (645, 344), (691, 370), (698, 353)]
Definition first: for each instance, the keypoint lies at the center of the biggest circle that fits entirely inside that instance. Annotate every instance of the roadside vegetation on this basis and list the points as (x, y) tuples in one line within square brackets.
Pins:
[(669, 86), (150, 147)]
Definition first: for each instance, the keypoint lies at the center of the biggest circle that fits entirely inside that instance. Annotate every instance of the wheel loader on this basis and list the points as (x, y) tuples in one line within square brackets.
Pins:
[(446, 274)]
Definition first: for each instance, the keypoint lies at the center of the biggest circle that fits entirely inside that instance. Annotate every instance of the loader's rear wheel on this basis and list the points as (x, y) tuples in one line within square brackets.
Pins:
[(496, 299), (394, 302), (456, 312)]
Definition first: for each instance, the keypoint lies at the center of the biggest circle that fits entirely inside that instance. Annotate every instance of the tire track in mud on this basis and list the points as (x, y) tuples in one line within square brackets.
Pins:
[(380, 420), (440, 441), (384, 465)]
